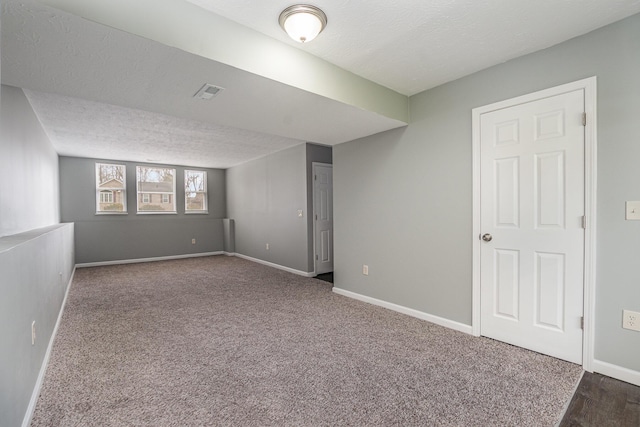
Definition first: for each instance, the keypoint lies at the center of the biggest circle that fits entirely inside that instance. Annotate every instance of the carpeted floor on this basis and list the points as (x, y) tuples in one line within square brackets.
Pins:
[(221, 341)]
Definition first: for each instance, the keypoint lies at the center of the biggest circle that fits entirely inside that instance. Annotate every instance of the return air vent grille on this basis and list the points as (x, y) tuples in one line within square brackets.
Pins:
[(208, 91)]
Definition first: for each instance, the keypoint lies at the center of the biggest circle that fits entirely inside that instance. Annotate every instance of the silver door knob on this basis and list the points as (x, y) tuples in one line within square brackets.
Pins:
[(487, 237)]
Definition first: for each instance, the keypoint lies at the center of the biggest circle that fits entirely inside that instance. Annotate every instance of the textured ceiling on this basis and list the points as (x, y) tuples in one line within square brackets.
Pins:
[(110, 93), (84, 128)]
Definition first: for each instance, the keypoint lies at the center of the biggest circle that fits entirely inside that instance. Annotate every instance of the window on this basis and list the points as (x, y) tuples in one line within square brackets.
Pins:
[(106, 197), (195, 191), (156, 189), (111, 188)]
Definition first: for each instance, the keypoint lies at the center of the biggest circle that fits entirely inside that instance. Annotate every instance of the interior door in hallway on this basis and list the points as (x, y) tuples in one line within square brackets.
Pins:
[(323, 217), (531, 215)]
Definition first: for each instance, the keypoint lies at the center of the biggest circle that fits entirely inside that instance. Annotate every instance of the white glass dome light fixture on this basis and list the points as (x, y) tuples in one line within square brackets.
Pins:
[(303, 22)]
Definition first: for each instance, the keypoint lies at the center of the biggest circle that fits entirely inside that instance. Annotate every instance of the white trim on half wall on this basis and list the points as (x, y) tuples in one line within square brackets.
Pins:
[(152, 259)]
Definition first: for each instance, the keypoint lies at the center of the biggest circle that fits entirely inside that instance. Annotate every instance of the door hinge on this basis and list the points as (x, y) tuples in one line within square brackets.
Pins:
[(584, 222), (584, 119), (582, 322), (316, 215), (316, 257), (315, 177)]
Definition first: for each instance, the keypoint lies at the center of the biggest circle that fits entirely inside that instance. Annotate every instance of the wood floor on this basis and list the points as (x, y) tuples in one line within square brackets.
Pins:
[(603, 401)]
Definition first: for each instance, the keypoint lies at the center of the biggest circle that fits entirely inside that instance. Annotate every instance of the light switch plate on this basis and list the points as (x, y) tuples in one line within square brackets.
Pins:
[(633, 211)]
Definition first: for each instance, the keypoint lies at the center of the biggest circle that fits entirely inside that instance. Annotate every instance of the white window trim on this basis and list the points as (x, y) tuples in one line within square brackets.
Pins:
[(123, 189), (142, 212), (205, 192)]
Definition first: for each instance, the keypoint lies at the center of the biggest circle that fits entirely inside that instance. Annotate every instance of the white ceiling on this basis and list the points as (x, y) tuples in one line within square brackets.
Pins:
[(414, 45), (106, 90)]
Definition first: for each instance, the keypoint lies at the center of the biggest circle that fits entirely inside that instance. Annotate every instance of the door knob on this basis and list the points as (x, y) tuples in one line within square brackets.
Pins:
[(487, 237)]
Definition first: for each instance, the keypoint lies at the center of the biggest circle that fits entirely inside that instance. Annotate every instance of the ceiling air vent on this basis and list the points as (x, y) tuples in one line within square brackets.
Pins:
[(208, 91)]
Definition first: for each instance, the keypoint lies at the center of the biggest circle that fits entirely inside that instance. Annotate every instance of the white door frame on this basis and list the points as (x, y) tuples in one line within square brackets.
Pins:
[(590, 181)]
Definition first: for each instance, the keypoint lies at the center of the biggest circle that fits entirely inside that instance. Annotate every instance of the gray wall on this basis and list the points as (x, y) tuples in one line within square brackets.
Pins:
[(121, 237), (403, 199), (27, 161), (315, 154), (263, 197), (36, 264)]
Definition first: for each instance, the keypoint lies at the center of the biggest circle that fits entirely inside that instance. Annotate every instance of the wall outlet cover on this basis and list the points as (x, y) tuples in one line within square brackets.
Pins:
[(631, 320), (632, 211)]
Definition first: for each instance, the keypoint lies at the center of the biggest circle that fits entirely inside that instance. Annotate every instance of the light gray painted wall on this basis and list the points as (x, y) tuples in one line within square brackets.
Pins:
[(36, 264), (27, 161), (263, 198), (36, 269), (229, 227), (403, 199), (318, 154), (132, 236)]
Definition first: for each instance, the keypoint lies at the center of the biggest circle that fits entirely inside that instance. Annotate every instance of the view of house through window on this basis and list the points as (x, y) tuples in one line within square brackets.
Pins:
[(111, 188), (195, 191), (156, 189)]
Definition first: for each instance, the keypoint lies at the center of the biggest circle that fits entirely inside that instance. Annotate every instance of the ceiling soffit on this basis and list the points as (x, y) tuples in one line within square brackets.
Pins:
[(185, 26)]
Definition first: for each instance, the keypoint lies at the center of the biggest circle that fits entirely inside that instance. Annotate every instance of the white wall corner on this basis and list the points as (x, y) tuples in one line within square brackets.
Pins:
[(278, 266)]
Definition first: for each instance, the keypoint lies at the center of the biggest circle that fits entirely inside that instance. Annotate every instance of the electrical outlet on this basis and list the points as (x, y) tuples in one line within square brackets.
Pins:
[(631, 320), (267, 246), (193, 241), (365, 270), (33, 333)]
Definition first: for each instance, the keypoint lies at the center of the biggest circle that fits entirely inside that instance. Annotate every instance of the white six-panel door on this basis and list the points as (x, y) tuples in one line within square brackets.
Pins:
[(531, 223), (323, 217)]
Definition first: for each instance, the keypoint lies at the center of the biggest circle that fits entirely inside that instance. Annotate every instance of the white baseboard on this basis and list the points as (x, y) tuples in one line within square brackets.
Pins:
[(617, 372), (278, 266), (461, 327), (137, 260), (45, 362)]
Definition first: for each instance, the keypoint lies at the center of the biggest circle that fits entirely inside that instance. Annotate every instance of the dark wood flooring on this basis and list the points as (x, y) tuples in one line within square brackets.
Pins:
[(327, 277), (603, 401)]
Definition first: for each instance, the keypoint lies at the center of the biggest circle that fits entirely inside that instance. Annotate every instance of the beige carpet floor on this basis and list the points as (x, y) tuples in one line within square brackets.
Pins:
[(220, 341)]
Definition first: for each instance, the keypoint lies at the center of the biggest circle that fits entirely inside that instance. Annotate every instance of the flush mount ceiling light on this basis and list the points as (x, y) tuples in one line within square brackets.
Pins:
[(302, 22)]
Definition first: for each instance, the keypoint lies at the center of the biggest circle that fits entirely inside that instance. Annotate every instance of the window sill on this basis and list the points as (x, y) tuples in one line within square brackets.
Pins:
[(156, 213), (196, 213)]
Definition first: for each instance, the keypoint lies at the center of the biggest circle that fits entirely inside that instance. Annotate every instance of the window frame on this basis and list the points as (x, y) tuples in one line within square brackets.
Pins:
[(100, 191), (146, 193), (104, 193), (204, 192)]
